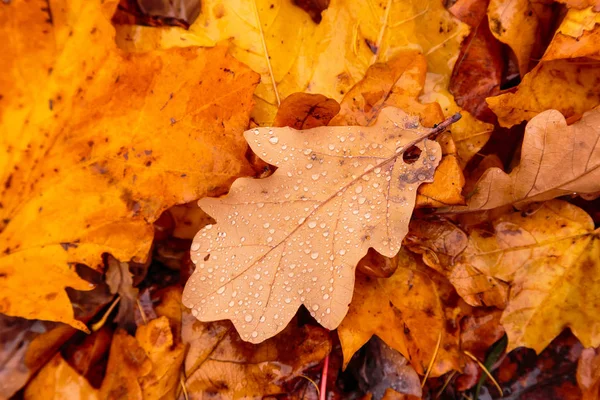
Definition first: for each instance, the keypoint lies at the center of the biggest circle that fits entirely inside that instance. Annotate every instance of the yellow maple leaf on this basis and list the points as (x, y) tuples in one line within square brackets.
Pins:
[(91, 146)]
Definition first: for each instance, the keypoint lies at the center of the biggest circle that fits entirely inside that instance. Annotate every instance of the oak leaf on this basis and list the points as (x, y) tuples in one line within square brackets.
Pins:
[(65, 106), (556, 160), (295, 237), (407, 312)]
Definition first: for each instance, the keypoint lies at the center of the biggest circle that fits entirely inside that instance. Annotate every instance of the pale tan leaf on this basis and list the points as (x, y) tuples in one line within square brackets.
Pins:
[(556, 160), (295, 237)]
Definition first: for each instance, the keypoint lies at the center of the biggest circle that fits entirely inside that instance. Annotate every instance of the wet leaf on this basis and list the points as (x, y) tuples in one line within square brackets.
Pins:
[(295, 237), (64, 150), (556, 160), (407, 313)]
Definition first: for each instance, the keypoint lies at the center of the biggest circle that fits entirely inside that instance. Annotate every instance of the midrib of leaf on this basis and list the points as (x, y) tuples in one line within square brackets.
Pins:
[(399, 152), (381, 32), (267, 58)]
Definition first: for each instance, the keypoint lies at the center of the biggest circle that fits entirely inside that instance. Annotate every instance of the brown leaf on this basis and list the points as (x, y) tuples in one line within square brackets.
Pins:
[(588, 374), (478, 71), (406, 311), (219, 363), (120, 282), (556, 160), (295, 237), (305, 111)]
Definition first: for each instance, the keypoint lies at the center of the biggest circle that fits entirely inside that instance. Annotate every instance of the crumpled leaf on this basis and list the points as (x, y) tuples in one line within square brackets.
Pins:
[(556, 160), (588, 374), (565, 80), (65, 103), (523, 25), (478, 71), (305, 111), (295, 237), (119, 280), (219, 363), (383, 368), (57, 380), (407, 313)]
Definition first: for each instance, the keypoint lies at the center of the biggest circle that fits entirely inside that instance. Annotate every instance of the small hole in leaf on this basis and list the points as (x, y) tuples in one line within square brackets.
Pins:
[(206, 258), (411, 154)]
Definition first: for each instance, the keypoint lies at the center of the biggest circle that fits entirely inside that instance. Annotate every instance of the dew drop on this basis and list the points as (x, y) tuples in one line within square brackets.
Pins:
[(254, 334), (248, 318), (315, 307), (221, 290), (274, 140), (314, 256), (358, 189), (312, 224)]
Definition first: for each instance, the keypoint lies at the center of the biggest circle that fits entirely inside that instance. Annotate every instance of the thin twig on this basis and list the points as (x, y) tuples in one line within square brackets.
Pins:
[(435, 353), (323, 394), (182, 383), (102, 321), (439, 393), (314, 384), (489, 375)]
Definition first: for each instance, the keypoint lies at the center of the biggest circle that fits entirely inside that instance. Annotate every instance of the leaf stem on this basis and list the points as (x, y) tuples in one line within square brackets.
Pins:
[(323, 394)]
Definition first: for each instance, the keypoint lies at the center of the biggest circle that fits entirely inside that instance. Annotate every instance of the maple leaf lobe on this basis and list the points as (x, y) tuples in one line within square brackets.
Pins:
[(296, 237)]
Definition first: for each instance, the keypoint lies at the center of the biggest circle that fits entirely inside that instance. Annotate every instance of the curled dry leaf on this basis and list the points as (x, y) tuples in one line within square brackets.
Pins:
[(408, 313), (556, 160), (588, 374), (119, 280), (577, 36), (523, 25), (305, 111), (295, 237), (57, 380), (65, 103)]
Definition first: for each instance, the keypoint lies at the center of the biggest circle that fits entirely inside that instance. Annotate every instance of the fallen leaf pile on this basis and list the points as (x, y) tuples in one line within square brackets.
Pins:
[(299, 199)]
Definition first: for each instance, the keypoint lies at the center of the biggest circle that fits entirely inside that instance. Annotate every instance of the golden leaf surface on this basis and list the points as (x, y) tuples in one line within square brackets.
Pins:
[(57, 380), (295, 237), (566, 79), (293, 54), (549, 254), (406, 311), (92, 137), (556, 160)]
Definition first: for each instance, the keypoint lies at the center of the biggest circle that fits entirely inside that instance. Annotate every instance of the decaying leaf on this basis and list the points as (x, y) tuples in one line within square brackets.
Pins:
[(406, 311), (295, 237), (59, 381), (221, 364), (119, 280), (556, 160), (565, 80), (90, 152), (305, 111), (588, 374)]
